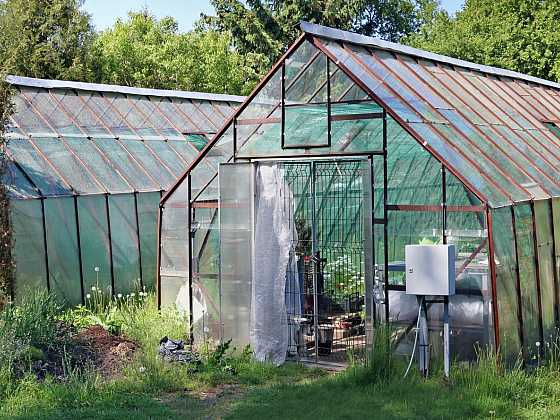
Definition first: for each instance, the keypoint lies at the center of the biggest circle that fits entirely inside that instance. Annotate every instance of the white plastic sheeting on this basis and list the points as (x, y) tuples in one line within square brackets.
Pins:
[(273, 239)]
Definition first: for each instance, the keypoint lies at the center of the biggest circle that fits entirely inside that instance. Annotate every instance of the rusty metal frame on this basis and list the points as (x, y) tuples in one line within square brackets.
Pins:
[(416, 93), (556, 285), (403, 124), (537, 275), (480, 115), (492, 259)]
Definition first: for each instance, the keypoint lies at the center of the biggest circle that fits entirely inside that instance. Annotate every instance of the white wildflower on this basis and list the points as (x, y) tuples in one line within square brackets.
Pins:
[(88, 296)]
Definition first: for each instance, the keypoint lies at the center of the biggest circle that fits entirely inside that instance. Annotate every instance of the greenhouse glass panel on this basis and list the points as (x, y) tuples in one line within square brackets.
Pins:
[(149, 162), (173, 114), (306, 97), (205, 272), (16, 184), (171, 158), (76, 106), (506, 284), (125, 106), (28, 249), (62, 250), (126, 164), (48, 108), (108, 115), (37, 168), (154, 118), (543, 220), (94, 240), (69, 167), (199, 141), (528, 279), (201, 123), (174, 239), (236, 264), (124, 240), (148, 204), (556, 223), (29, 120), (113, 180)]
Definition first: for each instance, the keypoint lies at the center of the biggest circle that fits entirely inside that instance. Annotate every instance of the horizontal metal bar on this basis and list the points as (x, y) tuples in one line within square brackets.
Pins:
[(366, 116), (257, 121), (313, 155), (433, 208)]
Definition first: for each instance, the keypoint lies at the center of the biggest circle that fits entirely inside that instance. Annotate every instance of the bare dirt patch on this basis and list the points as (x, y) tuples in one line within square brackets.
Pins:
[(108, 353)]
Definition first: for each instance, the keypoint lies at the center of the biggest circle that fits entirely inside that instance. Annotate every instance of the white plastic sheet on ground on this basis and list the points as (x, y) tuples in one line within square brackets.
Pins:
[(273, 238)]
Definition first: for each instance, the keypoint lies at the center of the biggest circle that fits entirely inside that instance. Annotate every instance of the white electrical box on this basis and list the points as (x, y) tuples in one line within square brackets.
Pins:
[(430, 270)]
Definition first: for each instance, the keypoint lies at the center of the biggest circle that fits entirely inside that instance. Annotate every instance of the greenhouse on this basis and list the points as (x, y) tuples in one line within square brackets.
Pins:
[(288, 231), (86, 167)]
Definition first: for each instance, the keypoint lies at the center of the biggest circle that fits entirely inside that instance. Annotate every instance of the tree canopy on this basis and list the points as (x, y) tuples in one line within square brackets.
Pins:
[(265, 28), (46, 38), (520, 35), (147, 52)]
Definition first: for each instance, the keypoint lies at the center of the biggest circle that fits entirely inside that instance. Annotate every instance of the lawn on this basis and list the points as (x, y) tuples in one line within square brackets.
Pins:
[(233, 386)]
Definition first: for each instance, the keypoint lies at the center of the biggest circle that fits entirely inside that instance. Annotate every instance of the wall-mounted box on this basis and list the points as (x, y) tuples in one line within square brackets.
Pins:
[(430, 270)]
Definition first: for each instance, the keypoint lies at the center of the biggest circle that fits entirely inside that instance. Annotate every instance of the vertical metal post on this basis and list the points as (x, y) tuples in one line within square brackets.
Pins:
[(79, 242), (538, 278), (234, 154), (315, 262), (518, 289), (110, 243), (138, 239), (158, 256), (555, 272), (385, 225), (372, 233), (446, 338), (190, 241), (45, 243), (493, 282), (283, 107), (329, 136)]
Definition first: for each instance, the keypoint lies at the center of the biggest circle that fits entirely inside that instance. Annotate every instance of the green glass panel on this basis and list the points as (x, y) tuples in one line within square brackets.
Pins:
[(197, 140), (506, 283), (527, 274), (17, 185), (149, 162), (62, 250), (126, 164), (94, 240), (28, 248), (543, 219), (148, 205), (68, 165), (102, 167), (124, 239), (37, 168)]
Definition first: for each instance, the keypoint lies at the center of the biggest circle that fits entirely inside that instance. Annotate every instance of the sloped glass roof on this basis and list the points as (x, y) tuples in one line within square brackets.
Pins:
[(488, 125), (67, 138)]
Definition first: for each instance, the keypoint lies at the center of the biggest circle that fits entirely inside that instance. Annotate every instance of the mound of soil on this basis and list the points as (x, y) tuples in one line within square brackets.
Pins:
[(108, 353)]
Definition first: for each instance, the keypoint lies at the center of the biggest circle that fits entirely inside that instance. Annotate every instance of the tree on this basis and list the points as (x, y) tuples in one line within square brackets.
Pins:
[(46, 38), (266, 28), (147, 52), (520, 35)]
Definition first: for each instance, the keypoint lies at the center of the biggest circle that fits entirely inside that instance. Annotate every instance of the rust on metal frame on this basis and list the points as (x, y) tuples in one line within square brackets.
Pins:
[(435, 208), (480, 115), (417, 94), (537, 272), (491, 101), (365, 116), (402, 123)]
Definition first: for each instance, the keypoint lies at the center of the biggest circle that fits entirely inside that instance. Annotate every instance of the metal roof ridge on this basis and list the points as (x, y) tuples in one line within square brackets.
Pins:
[(98, 87), (354, 38)]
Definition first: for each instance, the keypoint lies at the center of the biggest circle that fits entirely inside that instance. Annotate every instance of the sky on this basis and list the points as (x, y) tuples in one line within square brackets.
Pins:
[(105, 12)]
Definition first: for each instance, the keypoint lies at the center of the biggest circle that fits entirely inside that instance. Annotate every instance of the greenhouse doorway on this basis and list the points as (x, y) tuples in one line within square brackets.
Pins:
[(305, 293), (328, 268)]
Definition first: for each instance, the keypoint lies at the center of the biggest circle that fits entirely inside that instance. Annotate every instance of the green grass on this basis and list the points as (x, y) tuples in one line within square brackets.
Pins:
[(150, 388)]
